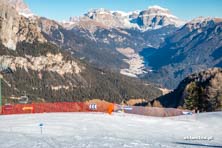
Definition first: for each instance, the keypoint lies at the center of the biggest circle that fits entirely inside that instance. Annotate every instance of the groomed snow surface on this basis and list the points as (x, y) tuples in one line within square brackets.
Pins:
[(100, 130)]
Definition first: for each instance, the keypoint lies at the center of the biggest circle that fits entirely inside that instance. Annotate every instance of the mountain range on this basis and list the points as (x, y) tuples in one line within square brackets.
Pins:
[(152, 18), (149, 48), (45, 72), (113, 39)]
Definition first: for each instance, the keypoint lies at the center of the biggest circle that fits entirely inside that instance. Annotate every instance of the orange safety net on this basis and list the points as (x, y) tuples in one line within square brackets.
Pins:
[(87, 107), (53, 107)]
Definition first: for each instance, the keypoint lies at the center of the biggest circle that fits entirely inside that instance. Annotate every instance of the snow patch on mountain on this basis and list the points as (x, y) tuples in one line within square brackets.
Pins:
[(157, 10), (158, 7), (135, 61)]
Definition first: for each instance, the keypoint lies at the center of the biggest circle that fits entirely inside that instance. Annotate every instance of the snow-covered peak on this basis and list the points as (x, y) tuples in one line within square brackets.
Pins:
[(121, 13), (156, 7), (93, 12), (157, 10), (21, 7)]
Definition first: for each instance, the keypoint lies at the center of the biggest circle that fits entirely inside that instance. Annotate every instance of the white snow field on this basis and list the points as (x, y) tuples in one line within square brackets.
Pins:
[(100, 130)]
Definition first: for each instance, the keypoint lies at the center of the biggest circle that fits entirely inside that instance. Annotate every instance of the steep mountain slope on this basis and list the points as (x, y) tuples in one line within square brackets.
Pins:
[(82, 44), (200, 91), (44, 72), (194, 47)]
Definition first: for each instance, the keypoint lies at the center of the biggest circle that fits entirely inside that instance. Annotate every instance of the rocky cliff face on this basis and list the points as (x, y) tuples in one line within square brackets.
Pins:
[(200, 91), (156, 17), (21, 7), (15, 28), (112, 19), (105, 17), (51, 29), (49, 62)]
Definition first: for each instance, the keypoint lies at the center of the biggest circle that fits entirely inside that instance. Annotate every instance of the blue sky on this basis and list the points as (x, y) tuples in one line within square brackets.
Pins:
[(184, 9)]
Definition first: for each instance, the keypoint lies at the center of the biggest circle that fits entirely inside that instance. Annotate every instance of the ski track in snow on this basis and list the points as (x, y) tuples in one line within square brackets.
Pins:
[(99, 130)]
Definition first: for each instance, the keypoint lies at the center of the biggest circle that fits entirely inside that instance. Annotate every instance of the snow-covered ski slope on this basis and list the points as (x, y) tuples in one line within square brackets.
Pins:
[(100, 130)]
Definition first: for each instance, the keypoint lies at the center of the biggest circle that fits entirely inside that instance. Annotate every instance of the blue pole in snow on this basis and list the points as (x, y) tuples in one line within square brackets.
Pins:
[(41, 126)]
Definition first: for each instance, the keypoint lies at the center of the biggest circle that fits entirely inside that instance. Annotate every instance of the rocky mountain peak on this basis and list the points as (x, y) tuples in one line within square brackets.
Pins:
[(21, 7), (109, 18), (15, 28), (156, 17), (203, 21), (157, 9), (200, 24), (94, 12)]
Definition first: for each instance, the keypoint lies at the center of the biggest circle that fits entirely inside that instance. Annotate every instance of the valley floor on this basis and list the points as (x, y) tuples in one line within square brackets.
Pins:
[(67, 130)]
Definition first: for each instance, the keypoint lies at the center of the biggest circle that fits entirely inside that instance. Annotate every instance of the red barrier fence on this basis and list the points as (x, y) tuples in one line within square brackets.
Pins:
[(54, 107), (88, 107)]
